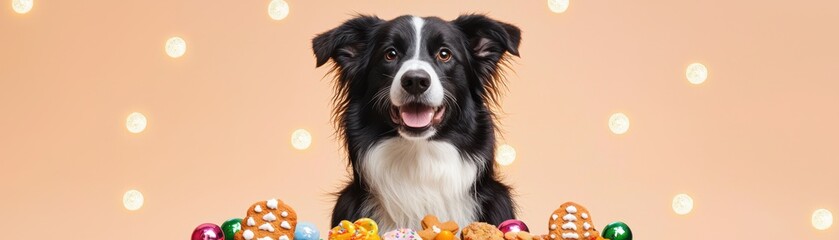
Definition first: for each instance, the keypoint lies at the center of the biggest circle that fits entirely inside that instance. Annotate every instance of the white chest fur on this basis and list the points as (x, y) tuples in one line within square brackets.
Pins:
[(412, 178)]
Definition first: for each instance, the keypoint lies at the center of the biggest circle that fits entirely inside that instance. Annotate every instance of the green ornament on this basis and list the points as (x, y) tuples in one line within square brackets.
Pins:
[(230, 227), (617, 231)]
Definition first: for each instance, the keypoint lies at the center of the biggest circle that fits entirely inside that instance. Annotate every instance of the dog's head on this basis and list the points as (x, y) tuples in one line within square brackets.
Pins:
[(418, 76)]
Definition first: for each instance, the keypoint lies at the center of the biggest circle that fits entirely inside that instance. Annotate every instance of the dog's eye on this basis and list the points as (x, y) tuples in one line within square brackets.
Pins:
[(444, 55), (391, 54)]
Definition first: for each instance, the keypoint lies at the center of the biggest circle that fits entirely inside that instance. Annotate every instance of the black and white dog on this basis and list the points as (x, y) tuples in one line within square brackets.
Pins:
[(413, 108)]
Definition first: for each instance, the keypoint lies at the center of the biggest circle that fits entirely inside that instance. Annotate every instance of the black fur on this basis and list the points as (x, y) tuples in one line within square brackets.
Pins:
[(480, 47)]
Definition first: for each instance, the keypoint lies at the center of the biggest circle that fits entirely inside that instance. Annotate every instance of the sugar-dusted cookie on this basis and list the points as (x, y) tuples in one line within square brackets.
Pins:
[(268, 220), (481, 231), (571, 221)]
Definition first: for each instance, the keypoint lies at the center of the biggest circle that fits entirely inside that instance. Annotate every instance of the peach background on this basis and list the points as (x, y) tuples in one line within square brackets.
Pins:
[(755, 145)]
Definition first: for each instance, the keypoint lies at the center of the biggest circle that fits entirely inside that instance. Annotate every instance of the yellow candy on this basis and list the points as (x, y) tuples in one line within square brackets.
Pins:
[(370, 227), (344, 231), (361, 229), (444, 235)]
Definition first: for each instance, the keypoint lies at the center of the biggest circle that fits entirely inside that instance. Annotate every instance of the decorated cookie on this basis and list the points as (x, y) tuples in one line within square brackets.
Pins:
[(402, 234), (361, 229), (481, 231), (571, 221), (431, 227), (268, 220)]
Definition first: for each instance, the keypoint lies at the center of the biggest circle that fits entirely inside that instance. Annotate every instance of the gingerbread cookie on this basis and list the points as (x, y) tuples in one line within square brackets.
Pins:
[(481, 231), (571, 221), (268, 220), (433, 229)]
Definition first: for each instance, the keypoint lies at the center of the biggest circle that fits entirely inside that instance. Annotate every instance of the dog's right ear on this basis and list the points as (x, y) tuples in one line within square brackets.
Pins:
[(346, 42)]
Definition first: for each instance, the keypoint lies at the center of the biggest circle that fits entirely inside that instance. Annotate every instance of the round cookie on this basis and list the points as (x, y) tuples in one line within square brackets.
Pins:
[(481, 231), (268, 220), (571, 221)]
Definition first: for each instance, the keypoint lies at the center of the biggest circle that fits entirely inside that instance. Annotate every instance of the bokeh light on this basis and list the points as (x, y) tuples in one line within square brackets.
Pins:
[(22, 6), (619, 123), (505, 155), (301, 139), (278, 9), (682, 204), (175, 47), (136, 122), (696, 73), (822, 219), (133, 200), (558, 6)]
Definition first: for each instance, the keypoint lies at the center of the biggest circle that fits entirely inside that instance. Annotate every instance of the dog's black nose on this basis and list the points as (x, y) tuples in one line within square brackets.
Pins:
[(415, 81)]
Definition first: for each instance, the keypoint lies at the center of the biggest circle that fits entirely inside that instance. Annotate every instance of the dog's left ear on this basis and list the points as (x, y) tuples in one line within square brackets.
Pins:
[(489, 39)]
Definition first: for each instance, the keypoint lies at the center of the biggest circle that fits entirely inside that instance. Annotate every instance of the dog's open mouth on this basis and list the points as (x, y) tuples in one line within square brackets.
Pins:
[(417, 116)]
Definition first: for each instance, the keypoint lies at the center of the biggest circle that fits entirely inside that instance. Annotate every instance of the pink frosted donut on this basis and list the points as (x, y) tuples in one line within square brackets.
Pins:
[(400, 234)]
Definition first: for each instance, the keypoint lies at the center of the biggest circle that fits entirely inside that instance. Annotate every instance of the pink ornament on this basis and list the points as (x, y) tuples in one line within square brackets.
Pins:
[(513, 225), (207, 231)]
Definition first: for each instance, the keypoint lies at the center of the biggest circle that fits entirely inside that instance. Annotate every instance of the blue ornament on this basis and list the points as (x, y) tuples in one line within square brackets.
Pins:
[(306, 231)]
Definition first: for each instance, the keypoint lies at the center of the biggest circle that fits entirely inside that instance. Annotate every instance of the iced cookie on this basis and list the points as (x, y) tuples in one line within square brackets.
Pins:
[(433, 229), (268, 220), (402, 234), (571, 221), (481, 231)]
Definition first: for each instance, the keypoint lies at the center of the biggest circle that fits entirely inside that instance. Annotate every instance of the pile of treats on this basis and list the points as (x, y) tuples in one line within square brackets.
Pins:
[(273, 220)]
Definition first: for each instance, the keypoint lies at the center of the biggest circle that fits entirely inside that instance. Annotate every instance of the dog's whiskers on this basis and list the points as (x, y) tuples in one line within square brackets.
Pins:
[(380, 100), (451, 101)]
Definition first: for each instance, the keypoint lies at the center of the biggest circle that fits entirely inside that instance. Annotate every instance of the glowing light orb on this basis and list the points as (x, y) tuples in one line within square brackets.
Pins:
[(22, 6), (301, 139), (505, 155), (682, 204), (175, 47), (822, 219), (619, 123), (136, 122), (133, 200), (558, 6), (696, 73), (278, 9)]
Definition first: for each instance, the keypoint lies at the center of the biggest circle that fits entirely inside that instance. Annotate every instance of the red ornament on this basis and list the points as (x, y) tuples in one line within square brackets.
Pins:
[(207, 231), (513, 225)]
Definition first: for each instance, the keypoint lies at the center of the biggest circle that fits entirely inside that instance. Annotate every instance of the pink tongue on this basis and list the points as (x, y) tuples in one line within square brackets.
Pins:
[(416, 116)]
